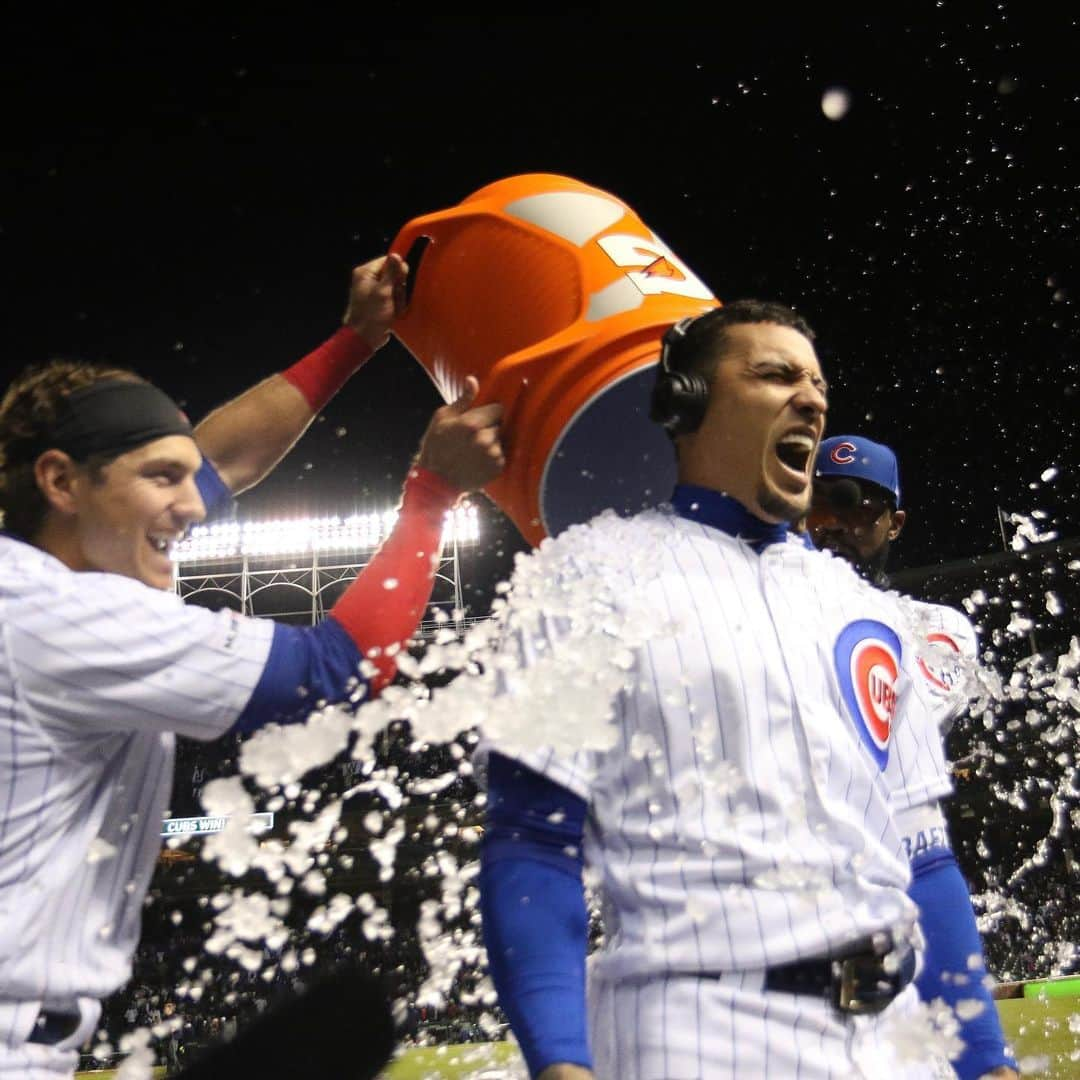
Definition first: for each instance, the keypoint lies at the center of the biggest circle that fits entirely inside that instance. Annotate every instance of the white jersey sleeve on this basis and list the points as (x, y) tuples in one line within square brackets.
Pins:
[(552, 707), (100, 652), (573, 768), (942, 648), (567, 650)]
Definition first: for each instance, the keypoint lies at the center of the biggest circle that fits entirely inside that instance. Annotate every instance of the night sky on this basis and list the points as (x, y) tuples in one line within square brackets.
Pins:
[(188, 199)]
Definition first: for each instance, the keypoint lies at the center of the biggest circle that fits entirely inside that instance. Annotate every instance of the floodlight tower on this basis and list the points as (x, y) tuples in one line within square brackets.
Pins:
[(295, 569)]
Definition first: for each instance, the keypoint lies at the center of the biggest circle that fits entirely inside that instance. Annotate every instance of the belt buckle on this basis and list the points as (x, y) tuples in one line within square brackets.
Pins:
[(861, 986)]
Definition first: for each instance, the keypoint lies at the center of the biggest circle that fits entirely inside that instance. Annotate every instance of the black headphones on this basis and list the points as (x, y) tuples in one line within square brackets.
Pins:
[(678, 398)]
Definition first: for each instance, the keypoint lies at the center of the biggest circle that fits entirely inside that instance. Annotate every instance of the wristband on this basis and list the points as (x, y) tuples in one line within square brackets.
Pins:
[(324, 371), (382, 608)]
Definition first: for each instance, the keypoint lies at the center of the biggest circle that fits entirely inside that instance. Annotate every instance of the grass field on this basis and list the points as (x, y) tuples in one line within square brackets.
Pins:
[(480, 1061), (1044, 1029), (1045, 1034)]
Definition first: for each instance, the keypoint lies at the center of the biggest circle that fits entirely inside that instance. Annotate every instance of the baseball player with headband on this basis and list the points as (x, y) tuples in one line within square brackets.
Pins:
[(856, 513), (752, 880), (101, 664)]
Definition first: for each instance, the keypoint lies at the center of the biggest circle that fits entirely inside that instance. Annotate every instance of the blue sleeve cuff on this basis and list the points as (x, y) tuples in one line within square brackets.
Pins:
[(534, 916), (308, 666), (215, 494), (953, 967)]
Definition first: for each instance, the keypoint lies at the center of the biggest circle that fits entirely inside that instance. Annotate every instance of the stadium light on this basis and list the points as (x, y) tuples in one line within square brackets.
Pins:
[(300, 536)]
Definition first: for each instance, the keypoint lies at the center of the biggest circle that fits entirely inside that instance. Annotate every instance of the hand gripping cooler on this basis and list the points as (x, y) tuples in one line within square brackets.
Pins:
[(555, 295)]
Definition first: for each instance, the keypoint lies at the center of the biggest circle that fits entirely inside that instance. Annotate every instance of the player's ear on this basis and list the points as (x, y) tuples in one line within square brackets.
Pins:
[(898, 519), (57, 478)]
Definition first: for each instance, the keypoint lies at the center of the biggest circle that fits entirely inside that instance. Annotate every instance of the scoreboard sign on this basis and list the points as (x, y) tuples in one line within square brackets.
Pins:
[(202, 826)]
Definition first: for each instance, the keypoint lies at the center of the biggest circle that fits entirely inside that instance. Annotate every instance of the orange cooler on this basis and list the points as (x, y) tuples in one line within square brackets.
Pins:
[(555, 295)]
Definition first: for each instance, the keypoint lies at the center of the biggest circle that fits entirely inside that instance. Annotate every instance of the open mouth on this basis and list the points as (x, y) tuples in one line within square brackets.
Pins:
[(794, 452), (163, 545)]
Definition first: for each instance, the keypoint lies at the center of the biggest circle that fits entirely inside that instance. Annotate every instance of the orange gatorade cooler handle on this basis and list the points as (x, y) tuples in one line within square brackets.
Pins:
[(555, 295)]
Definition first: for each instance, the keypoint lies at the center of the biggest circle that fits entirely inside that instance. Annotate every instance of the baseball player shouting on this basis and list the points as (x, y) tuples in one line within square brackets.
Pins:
[(753, 885), (855, 512), (101, 664)]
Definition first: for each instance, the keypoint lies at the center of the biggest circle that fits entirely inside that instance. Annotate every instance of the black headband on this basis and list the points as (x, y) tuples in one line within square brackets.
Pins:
[(110, 417)]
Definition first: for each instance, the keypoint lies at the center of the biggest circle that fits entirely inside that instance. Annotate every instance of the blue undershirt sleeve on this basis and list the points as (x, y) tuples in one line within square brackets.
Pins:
[(954, 968), (307, 666), (533, 906), (215, 494)]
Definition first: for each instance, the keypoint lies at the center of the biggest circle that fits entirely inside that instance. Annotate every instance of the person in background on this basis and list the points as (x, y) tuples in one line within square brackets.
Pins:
[(102, 665), (751, 879), (855, 512)]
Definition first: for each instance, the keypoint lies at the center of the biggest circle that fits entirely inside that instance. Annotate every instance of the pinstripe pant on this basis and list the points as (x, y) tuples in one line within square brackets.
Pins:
[(727, 1028)]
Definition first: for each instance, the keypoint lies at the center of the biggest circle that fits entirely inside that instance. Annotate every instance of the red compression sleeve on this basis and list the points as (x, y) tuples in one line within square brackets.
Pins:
[(386, 602), (322, 373)]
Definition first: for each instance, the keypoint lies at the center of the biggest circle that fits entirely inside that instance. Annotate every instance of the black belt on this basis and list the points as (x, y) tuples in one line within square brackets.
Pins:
[(856, 982), (54, 1027)]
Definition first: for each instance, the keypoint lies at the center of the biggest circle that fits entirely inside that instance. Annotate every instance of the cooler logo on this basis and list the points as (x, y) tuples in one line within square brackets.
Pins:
[(652, 266), (867, 657), (843, 453), (946, 672)]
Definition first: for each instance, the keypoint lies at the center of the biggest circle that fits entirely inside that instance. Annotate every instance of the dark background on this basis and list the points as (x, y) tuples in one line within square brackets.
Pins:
[(187, 197)]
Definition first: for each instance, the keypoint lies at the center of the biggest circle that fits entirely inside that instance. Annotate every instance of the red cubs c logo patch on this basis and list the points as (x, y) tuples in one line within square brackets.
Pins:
[(945, 672), (867, 656), (843, 453)]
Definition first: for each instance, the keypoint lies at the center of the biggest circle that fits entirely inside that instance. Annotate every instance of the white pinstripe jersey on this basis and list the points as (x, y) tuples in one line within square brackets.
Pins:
[(944, 648), (97, 672), (741, 819)]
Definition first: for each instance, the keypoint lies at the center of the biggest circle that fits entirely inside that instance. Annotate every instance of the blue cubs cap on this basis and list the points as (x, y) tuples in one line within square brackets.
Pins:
[(860, 459)]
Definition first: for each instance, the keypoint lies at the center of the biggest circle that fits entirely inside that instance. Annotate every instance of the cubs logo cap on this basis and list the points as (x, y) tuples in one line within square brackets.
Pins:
[(859, 458)]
